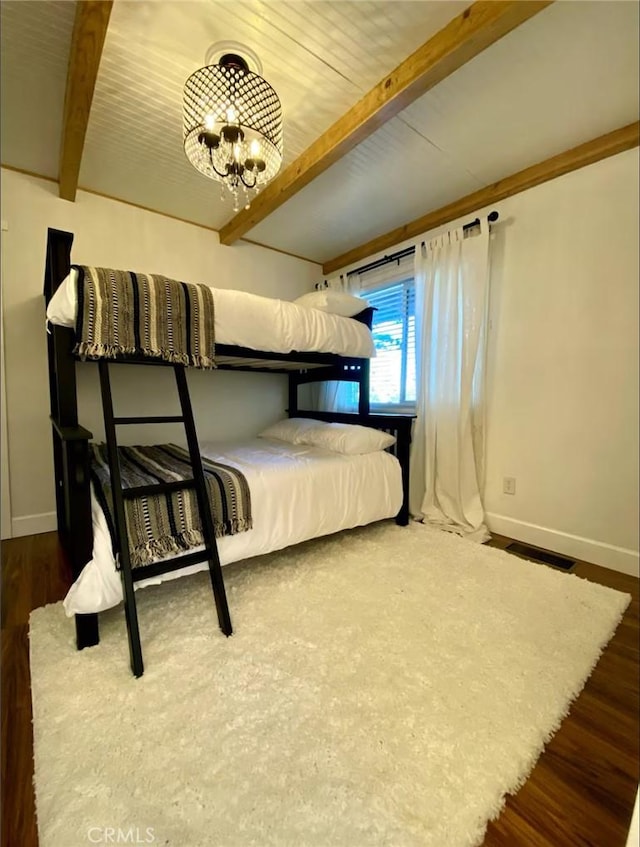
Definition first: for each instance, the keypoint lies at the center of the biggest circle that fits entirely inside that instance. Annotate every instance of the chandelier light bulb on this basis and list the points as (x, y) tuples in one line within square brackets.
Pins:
[(254, 148), (231, 115), (209, 122)]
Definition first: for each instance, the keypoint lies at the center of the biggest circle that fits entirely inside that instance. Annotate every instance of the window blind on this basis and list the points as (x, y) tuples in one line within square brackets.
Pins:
[(390, 290)]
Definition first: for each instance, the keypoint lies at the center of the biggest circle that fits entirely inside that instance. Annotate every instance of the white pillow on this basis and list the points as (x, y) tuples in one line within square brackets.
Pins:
[(62, 306), (351, 439), (334, 302), (289, 429)]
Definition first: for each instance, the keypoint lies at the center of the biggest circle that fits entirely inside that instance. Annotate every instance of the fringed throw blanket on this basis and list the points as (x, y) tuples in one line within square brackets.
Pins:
[(161, 524), (121, 312)]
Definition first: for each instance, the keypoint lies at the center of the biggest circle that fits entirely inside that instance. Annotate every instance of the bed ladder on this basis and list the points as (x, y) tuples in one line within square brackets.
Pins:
[(120, 494)]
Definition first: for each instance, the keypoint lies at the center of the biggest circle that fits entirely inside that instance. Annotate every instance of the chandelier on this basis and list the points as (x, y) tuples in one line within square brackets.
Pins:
[(232, 123)]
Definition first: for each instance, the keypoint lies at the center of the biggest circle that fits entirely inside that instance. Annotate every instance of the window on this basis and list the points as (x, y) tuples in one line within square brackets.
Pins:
[(389, 287), (393, 371)]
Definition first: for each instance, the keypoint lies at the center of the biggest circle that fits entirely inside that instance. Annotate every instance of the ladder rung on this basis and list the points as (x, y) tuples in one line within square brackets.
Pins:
[(172, 564), (149, 419), (157, 488)]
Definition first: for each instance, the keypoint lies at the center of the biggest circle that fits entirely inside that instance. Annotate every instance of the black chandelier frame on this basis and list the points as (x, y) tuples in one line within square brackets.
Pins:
[(223, 105)]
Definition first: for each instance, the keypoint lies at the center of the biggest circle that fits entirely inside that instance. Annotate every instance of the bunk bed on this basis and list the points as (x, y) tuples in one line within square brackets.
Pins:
[(72, 448)]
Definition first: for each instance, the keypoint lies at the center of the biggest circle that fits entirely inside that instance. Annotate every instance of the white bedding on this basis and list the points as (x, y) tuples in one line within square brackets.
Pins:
[(297, 492), (260, 323)]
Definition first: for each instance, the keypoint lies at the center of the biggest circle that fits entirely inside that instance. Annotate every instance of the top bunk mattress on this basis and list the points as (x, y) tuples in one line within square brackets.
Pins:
[(259, 323)]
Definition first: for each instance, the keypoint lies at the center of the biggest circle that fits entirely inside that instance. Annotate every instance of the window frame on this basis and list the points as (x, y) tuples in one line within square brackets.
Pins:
[(407, 280)]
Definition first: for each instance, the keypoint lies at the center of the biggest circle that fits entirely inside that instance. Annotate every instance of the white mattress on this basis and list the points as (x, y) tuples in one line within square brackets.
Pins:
[(260, 323), (297, 493)]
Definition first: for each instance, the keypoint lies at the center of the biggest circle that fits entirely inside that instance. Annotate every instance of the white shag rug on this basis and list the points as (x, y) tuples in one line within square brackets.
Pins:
[(384, 686)]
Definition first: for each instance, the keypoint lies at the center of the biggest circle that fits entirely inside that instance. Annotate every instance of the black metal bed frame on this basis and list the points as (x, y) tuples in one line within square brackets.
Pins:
[(71, 441)]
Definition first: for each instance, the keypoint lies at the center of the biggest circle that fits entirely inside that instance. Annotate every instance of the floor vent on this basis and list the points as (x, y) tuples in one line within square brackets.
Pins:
[(536, 555)]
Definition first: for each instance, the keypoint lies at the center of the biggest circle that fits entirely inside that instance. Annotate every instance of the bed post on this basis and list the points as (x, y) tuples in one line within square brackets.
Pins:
[(363, 387), (70, 441), (293, 394), (403, 454)]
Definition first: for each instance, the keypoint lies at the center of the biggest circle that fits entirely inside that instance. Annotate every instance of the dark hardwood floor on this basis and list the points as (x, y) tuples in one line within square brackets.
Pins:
[(581, 792)]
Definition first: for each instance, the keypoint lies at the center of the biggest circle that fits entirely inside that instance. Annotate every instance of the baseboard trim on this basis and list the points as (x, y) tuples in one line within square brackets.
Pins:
[(586, 549), (33, 524)]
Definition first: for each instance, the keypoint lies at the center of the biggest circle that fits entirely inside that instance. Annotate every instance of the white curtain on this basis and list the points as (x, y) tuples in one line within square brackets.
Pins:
[(447, 459)]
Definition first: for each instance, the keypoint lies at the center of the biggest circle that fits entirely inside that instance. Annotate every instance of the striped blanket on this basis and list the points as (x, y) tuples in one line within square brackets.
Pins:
[(162, 524), (121, 312)]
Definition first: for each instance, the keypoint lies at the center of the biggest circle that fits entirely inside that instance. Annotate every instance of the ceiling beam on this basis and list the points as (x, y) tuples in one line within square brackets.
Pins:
[(89, 31), (463, 38), (585, 154)]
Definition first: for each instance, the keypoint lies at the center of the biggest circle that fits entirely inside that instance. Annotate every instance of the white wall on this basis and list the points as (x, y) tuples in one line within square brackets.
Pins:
[(5, 491), (563, 365), (112, 234)]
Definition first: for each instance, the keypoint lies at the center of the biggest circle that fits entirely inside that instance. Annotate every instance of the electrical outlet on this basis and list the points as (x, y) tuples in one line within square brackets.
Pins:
[(509, 485), (5, 226)]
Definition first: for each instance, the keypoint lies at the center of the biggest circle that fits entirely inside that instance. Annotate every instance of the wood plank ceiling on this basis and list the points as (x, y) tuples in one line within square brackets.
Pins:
[(558, 80), (466, 36)]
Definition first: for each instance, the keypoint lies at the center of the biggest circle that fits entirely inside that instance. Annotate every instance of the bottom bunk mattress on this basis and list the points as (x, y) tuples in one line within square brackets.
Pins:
[(298, 492)]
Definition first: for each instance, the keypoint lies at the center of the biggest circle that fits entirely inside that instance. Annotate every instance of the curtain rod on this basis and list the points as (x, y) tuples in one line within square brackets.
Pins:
[(408, 251)]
